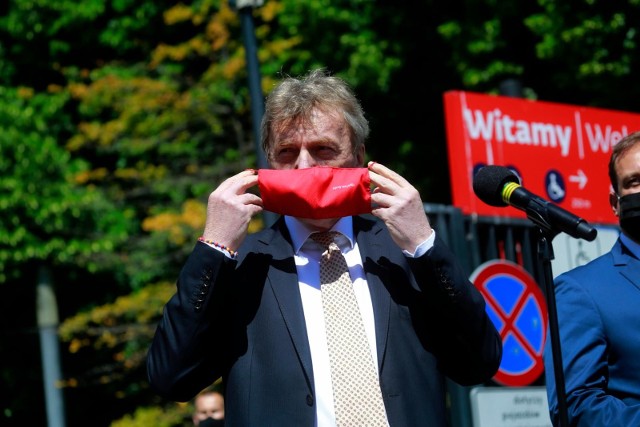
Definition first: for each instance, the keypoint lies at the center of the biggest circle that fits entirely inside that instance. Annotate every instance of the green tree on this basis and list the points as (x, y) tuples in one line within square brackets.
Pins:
[(46, 217), (579, 51)]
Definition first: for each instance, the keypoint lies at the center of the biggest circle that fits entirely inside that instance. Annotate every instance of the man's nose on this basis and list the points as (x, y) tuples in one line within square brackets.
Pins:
[(305, 160)]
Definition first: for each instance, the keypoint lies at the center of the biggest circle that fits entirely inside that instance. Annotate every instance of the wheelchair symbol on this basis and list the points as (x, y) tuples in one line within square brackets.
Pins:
[(554, 185)]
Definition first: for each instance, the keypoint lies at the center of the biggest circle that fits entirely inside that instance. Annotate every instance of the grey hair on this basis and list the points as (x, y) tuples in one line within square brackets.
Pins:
[(295, 99)]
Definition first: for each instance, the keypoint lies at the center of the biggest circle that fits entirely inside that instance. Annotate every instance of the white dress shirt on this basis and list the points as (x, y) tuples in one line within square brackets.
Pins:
[(308, 254)]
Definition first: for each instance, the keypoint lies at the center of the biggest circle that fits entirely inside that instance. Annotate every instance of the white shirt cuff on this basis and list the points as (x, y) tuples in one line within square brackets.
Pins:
[(423, 247)]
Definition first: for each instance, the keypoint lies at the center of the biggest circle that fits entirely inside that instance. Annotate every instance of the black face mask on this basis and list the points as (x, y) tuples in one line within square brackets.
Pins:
[(210, 422), (630, 215)]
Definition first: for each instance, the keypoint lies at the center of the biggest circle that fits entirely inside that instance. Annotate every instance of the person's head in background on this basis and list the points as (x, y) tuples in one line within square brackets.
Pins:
[(624, 173), (208, 409)]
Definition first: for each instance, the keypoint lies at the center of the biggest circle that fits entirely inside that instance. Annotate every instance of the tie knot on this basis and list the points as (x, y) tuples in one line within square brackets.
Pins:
[(325, 238)]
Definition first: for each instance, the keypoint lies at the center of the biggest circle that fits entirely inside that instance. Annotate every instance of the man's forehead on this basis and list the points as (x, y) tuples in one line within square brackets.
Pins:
[(628, 156), (208, 398), (316, 124)]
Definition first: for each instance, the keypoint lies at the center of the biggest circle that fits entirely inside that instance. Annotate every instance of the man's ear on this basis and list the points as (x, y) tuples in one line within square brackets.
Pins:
[(615, 203)]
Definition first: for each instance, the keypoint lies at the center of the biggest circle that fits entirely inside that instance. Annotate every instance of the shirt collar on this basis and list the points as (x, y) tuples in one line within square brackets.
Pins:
[(300, 232)]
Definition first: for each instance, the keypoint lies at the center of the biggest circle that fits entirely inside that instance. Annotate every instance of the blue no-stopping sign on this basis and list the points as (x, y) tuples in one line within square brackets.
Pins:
[(518, 310)]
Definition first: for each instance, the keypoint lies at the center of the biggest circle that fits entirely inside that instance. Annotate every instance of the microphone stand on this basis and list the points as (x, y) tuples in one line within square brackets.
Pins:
[(545, 254)]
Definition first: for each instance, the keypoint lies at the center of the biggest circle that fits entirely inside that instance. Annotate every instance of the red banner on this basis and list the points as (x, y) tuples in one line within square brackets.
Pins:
[(560, 152)]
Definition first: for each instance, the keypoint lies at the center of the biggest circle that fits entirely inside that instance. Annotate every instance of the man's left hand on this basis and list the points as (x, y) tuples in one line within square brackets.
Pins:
[(397, 203)]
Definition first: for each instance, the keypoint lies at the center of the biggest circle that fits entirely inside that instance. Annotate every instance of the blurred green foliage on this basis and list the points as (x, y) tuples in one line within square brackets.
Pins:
[(45, 214)]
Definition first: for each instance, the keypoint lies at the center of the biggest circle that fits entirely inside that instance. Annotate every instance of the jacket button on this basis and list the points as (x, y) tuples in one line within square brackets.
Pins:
[(309, 400)]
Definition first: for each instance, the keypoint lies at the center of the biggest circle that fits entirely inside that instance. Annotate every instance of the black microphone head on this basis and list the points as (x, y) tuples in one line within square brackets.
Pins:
[(489, 182)]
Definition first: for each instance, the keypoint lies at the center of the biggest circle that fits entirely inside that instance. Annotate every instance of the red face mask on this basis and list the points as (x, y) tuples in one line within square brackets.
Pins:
[(318, 193)]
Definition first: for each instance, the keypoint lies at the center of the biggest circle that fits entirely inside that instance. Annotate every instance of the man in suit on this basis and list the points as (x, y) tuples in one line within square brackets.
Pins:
[(255, 317), (598, 307)]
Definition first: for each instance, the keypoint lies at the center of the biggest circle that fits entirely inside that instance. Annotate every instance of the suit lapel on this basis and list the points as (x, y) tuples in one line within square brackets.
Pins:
[(628, 264), (371, 249), (283, 280)]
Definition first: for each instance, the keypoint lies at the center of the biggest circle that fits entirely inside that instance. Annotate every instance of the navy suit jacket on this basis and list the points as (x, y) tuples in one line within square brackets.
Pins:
[(598, 308), (243, 321)]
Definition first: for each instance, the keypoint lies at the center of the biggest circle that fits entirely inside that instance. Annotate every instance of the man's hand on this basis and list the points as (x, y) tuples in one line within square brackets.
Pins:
[(398, 204), (230, 209)]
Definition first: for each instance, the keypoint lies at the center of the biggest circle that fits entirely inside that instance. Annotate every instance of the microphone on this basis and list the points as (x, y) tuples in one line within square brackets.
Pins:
[(498, 186)]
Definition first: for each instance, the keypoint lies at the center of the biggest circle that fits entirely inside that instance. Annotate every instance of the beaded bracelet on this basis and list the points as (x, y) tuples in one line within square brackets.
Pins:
[(219, 246)]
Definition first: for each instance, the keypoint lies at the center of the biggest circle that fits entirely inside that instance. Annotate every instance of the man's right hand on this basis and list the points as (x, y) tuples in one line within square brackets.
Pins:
[(230, 209)]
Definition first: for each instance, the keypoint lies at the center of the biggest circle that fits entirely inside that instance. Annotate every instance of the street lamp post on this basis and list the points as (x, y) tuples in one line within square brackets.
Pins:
[(245, 10), (47, 316)]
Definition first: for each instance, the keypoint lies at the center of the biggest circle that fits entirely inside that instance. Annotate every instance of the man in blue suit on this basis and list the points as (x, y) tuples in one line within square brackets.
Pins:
[(248, 308), (598, 308)]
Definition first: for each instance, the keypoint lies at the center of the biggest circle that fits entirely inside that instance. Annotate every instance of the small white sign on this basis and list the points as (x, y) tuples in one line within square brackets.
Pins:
[(570, 253), (510, 407)]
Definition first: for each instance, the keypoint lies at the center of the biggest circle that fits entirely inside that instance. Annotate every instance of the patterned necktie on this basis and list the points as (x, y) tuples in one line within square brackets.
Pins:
[(356, 387)]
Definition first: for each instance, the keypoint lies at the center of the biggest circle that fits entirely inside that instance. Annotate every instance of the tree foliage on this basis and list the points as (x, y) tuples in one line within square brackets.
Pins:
[(46, 215), (579, 51)]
